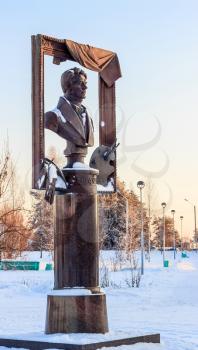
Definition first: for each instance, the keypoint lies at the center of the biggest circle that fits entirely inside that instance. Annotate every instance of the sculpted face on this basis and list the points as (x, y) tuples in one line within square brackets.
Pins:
[(77, 89)]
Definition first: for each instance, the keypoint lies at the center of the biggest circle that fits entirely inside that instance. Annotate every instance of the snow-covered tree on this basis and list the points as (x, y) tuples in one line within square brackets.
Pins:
[(120, 219), (158, 228), (111, 221)]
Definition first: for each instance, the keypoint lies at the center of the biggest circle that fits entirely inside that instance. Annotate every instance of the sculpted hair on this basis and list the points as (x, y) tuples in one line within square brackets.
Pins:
[(70, 76)]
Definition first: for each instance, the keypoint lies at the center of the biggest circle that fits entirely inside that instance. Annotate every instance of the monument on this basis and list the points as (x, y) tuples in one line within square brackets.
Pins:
[(76, 304)]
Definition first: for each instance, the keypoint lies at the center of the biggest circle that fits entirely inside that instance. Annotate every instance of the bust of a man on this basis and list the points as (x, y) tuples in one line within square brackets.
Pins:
[(70, 119)]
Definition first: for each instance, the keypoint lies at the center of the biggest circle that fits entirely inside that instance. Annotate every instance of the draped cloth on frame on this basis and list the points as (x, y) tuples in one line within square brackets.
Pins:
[(106, 63)]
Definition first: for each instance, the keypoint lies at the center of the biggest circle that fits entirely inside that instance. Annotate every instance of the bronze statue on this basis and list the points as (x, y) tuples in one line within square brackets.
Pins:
[(70, 119)]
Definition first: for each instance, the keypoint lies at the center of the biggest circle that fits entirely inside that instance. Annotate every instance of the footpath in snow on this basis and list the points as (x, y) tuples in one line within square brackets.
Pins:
[(166, 302)]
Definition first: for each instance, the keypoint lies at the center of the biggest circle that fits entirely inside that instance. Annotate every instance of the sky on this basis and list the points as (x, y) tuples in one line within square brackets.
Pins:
[(156, 98)]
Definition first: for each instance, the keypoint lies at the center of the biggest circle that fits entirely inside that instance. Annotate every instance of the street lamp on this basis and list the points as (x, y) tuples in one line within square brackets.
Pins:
[(140, 185), (181, 218), (164, 230), (173, 213), (2, 228), (40, 234), (195, 215)]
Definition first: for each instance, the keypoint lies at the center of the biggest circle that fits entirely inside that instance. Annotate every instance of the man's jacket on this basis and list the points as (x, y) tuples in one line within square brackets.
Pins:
[(64, 121)]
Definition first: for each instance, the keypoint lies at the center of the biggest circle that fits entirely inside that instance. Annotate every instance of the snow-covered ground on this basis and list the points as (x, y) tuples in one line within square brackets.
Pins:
[(166, 302)]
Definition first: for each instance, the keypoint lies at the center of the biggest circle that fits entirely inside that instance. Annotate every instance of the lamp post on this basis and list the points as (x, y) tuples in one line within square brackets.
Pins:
[(195, 216), (1, 236), (174, 245), (164, 230), (149, 236), (140, 185), (181, 218), (40, 234)]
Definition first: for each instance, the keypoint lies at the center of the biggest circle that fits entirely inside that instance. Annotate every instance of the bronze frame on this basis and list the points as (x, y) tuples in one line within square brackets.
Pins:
[(44, 45)]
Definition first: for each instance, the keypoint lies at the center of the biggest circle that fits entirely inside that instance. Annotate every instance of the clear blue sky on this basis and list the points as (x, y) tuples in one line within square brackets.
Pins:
[(156, 42)]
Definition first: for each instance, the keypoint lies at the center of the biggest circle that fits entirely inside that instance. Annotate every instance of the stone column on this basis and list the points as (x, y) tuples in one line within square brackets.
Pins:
[(76, 246)]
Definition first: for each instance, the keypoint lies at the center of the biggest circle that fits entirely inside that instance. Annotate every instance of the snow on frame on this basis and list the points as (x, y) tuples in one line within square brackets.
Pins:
[(166, 302)]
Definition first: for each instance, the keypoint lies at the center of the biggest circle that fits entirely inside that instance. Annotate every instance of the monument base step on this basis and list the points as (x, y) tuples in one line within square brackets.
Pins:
[(41, 345)]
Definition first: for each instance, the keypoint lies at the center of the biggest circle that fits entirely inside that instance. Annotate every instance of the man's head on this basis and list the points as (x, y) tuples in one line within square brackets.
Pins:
[(74, 84)]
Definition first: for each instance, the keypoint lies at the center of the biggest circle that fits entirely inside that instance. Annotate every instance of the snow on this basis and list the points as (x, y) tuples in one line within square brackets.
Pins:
[(108, 188), (60, 183), (41, 181), (71, 291), (81, 166), (166, 302), (35, 256), (54, 175), (52, 172)]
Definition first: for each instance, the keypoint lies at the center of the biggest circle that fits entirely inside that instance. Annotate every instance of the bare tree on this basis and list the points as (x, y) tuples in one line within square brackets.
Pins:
[(13, 232), (41, 223)]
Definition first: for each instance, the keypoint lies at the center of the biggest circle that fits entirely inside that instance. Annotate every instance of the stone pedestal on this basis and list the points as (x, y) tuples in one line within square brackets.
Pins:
[(76, 314), (76, 245), (76, 259)]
